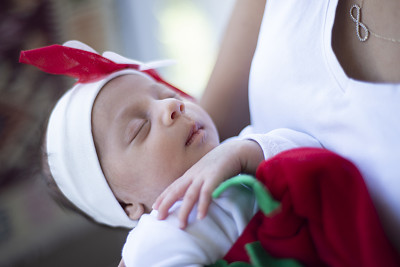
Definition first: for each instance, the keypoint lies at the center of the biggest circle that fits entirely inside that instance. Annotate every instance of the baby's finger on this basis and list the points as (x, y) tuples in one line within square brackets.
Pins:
[(165, 205), (170, 195), (158, 201), (189, 200), (161, 198), (204, 202)]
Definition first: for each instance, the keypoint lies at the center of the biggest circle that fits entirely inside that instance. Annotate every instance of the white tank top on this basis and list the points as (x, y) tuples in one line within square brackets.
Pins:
[(297, 82)]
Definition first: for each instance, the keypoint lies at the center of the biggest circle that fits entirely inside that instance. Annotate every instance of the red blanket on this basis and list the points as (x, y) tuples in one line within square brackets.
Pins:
[(326, 216)]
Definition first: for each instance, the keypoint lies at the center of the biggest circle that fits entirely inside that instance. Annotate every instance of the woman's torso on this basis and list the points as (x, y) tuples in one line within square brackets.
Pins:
[(297, 82)]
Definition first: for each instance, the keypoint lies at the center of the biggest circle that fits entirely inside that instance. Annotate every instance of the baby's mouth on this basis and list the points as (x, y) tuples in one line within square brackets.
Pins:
[(193, 133)]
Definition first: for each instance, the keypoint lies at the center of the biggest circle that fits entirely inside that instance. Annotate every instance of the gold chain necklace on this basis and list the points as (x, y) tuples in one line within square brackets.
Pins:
[(362, 31)]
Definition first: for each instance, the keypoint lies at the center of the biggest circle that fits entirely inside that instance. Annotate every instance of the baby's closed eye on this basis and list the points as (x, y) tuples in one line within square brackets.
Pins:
[(136, 129)]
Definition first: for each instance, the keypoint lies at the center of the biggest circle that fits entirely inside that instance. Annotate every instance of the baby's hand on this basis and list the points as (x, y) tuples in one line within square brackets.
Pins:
[(199, 182)]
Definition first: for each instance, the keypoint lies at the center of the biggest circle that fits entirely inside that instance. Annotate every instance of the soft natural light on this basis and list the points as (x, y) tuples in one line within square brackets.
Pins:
[(187, 36)]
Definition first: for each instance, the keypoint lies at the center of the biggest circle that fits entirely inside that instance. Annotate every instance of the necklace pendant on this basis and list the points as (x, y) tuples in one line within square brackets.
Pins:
[(361, 29)]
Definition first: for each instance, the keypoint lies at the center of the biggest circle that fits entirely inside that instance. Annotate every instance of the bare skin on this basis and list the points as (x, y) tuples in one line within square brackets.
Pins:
[(198, 183), (375, 60)]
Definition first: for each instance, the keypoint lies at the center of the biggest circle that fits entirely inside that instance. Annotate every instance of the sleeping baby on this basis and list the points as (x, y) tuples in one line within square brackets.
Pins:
[(122, 135)]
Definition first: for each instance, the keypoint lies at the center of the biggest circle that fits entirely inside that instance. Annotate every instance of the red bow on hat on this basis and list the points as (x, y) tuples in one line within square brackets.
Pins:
[(80, 64)]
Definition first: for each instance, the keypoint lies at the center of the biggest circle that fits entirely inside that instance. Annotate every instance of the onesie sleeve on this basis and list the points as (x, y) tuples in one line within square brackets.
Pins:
[(162, 243), (158, 243), (279, 140)]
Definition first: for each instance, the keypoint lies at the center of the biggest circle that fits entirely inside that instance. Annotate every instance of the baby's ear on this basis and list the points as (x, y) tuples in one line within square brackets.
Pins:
[(134, 211)]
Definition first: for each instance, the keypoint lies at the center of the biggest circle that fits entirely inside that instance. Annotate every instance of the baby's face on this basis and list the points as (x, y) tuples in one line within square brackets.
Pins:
[(147, 136)]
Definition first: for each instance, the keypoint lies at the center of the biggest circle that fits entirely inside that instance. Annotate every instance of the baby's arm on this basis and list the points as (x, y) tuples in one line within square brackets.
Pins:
[(198, 183), (161, 243), (225, 161)]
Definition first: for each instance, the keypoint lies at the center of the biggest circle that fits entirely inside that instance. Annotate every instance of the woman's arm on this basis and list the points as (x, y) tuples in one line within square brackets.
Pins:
[(225, 97)]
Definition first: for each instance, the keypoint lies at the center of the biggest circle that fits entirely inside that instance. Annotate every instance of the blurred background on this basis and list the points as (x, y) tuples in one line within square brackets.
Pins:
[(34, 231)]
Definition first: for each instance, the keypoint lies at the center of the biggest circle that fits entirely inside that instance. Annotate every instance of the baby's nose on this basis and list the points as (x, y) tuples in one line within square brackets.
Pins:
[(173, 109)]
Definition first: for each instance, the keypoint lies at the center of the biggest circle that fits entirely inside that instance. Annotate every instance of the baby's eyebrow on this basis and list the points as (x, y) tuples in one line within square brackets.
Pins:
[(123, 114)]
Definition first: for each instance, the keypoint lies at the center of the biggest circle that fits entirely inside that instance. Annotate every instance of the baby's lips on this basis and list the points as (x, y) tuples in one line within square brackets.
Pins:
[(193, 131)]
